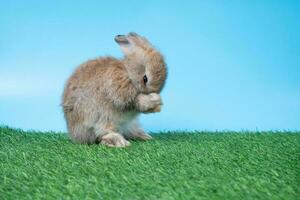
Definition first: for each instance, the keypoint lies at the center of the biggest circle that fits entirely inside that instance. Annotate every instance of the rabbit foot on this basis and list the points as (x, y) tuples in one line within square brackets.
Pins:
[(114, 140), (139, 136)]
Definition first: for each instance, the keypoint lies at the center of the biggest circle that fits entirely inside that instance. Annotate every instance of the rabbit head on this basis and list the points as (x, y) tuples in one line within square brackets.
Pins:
[(145, 65)]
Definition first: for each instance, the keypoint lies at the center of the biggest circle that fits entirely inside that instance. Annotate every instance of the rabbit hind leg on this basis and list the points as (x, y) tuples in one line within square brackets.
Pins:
[(134, 132), (107, 136), (83, 135)]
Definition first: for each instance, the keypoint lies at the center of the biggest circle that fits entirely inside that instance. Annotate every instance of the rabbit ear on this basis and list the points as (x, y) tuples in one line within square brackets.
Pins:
[(139, 41), (133, 43), (125, 44)]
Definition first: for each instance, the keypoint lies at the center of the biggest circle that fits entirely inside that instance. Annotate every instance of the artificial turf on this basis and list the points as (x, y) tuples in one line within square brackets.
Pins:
[(175, 165)]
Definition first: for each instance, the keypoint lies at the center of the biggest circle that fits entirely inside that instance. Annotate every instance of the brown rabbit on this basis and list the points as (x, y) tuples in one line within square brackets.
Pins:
[(103, 97)]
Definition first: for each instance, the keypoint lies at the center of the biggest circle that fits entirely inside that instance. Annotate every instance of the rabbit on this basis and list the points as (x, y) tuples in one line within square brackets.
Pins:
[(104, 97)]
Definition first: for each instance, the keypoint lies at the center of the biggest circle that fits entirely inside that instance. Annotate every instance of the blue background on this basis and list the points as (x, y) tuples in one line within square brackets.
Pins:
[(232, 64)]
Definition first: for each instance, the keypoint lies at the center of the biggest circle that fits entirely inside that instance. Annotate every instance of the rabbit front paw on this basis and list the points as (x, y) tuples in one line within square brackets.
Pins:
[(149, 103)]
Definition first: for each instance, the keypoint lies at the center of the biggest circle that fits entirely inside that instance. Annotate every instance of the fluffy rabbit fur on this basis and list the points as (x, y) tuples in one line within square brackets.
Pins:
[(103, 97)]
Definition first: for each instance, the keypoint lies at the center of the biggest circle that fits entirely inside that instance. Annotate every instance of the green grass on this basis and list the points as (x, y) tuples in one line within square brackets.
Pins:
[(204, 165)]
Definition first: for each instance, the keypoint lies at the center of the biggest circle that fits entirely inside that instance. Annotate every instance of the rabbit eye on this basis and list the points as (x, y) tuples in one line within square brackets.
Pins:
[(145, 79)]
